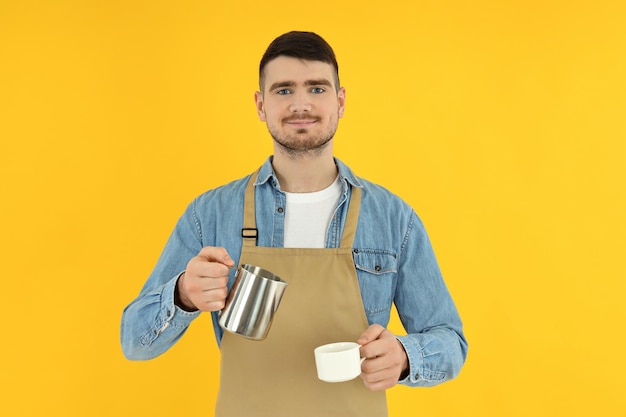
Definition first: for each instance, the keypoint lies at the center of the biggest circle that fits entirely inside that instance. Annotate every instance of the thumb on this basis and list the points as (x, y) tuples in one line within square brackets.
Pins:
[(227, 260), (370, 334), (216, 254)]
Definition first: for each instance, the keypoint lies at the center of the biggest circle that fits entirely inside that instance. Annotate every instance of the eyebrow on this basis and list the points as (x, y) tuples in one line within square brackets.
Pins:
[(283, 84)]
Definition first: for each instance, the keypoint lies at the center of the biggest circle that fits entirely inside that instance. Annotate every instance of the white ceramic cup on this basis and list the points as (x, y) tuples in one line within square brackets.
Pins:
[(338, 362)]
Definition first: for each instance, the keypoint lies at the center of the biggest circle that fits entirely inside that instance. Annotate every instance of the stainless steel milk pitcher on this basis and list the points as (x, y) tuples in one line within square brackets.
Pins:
[(252, 302)]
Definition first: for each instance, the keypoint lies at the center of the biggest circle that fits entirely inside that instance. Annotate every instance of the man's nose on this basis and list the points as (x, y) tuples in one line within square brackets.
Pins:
[(300, 103)]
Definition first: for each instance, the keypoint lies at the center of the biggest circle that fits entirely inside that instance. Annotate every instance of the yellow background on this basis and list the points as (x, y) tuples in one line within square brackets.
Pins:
[(502, 122)]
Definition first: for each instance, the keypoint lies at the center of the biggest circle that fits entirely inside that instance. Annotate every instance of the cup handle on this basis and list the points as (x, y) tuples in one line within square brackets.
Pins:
[(362, 359)]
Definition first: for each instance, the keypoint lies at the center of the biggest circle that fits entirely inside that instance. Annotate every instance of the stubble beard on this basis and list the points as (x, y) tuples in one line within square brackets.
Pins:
[(303, 143)]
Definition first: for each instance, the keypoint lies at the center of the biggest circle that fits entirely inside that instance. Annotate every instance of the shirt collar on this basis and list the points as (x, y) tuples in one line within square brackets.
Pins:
[(266, 174)]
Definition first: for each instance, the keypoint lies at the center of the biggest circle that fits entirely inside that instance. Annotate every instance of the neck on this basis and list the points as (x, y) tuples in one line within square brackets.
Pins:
[(306, 174)]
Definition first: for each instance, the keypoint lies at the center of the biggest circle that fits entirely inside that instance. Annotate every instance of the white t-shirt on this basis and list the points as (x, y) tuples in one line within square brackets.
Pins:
[(307, 216)]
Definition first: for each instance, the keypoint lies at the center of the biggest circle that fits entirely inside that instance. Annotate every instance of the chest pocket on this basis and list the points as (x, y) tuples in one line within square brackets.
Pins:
[(376, 270), (375, 261)]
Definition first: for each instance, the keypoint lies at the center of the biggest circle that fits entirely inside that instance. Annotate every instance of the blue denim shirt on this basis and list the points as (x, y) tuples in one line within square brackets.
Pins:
[(394, 260)]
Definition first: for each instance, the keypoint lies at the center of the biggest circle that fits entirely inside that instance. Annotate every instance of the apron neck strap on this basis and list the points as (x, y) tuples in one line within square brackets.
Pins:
[(349, 229), (250, 233)]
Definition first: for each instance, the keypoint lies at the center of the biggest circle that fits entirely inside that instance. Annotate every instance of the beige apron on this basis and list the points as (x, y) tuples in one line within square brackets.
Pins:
[(322, 304)]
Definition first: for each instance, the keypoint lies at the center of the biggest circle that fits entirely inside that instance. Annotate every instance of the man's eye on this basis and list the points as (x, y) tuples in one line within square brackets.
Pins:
[(317, 90), (283, 92)]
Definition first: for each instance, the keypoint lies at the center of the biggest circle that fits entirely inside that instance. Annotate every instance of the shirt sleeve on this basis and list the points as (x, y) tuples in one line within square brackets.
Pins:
[(152, 323), (435, 344)]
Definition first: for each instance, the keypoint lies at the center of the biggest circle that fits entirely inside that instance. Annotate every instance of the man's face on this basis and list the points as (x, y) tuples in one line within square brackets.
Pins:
[(300, 104)]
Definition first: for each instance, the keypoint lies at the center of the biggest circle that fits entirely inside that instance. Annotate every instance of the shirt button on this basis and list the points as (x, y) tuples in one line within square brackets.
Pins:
[(280, 209), (377, 268)]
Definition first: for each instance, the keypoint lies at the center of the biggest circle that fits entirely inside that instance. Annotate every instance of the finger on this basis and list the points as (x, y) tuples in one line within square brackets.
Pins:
[(384, 370), (213, 306), (389, 361), (380, 385), (199, 277), (384, 342), (214, 284), (378, 375), (201, 268), (208, 299), (214, 300)]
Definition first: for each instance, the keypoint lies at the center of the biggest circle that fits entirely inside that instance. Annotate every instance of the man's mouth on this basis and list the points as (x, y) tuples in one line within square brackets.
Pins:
[(300, 122)]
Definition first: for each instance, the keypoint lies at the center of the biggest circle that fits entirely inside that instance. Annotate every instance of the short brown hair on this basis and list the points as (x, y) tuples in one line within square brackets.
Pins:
[(302, 45)]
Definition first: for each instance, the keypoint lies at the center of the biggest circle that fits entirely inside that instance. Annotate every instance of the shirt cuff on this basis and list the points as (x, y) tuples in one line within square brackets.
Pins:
[(416, 362), (170, 312)]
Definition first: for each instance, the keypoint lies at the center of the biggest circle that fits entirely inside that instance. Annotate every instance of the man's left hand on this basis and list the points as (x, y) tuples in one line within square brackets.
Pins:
[(385, 358)]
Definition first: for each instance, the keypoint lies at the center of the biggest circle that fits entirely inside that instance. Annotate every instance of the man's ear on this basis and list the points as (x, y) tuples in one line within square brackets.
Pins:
[(258, 100), (341, 98)]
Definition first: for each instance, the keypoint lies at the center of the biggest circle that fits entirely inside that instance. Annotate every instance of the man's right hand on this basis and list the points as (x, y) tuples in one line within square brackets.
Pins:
[(204, 284)]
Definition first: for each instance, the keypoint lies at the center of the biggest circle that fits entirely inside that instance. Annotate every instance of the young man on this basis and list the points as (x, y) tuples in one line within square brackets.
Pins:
[(348, 249)]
